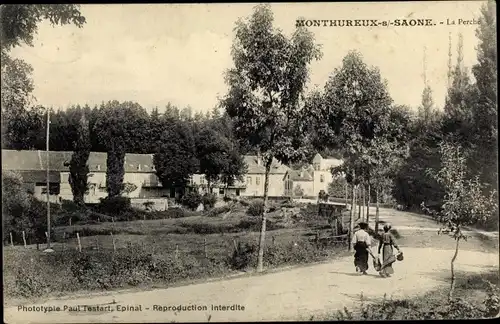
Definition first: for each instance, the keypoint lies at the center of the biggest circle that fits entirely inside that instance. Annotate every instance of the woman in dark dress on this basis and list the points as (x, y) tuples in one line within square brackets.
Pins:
[(362, 242), (387, 245)]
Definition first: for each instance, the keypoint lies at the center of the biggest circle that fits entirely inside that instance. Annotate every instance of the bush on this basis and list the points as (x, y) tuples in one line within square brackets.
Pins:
[(256, 208), (191, 200), (209, 200), (219, 210), (227, 198), (114, 206)]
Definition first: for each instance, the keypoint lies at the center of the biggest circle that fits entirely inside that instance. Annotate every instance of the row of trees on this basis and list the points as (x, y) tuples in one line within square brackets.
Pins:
[(382, 143)]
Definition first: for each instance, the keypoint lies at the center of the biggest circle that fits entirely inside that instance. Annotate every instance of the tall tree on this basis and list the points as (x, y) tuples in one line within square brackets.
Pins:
[(425, 110), (485, 111), (78, 166), (265, 90), (355, 115), (175, 159), (121, 127)]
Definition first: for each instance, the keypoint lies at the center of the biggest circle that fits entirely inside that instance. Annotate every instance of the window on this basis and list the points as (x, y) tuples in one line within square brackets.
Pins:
[(54, 189), (98, 167), (316, 166), (322, 178), (249, 180), (202, 180), (237, 192), (221, 191), (257, 180)]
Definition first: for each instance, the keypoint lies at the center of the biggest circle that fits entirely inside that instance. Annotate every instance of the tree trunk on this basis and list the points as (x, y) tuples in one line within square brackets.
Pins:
[(351, 215), (262, 240), (368, 204), (346, 195), (452, 287), (376, 210), (360, 202), (363, 203)]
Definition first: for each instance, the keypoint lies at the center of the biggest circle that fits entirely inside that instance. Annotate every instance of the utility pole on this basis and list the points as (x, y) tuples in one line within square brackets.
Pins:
[(48, 181)]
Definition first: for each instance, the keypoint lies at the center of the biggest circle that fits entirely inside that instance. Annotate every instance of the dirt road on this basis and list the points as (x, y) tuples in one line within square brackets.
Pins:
[(287, 295)]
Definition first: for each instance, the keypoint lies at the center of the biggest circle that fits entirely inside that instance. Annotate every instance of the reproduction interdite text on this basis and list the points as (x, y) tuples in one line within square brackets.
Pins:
[(423, 22), (131, 308)]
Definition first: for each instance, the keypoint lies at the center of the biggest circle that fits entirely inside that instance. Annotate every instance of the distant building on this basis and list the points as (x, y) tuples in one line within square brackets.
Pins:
[(311, 179), (139, 172)]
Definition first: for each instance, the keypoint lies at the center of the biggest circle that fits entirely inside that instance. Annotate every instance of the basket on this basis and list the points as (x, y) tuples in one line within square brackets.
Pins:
[(400, 257), (376, 264)]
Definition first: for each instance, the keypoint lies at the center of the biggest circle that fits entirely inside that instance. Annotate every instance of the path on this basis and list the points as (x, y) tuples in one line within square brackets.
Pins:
[(288, 295)]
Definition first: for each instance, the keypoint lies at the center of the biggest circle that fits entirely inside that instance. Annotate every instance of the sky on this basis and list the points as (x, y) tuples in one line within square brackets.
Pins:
[(159, 53)]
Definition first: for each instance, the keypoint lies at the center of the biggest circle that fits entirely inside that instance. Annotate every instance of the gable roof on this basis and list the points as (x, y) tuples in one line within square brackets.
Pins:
[(252, 162), (300, 175), (37, 161)]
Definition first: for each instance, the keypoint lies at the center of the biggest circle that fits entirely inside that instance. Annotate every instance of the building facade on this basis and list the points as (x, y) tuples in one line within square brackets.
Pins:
[(140, 176), (311, 179)]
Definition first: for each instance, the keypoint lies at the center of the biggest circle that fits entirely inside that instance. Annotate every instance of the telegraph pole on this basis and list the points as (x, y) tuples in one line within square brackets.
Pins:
[(48, 181)]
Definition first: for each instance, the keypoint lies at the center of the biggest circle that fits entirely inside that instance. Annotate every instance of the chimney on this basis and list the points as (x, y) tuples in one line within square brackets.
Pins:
[(259, 159)]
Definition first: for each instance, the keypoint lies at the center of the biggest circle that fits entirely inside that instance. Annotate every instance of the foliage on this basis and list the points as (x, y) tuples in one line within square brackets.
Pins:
[(114, 206), (19, 23), (464, 203), (218, 210), (256, 208), (78, 166), (337, 188), (265, 89), (128, 188), (209, 200), (175, 158), (21, 211), (120, 127), (191, 200)]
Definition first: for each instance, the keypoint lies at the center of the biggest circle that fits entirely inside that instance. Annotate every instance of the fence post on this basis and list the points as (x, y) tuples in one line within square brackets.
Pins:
[(274, 239), (24, 238), (11, 239), (97, 243), (79, 242), (177, 251), (205, 247), (70, 221), (113, 240), (64, 241), (113, 219), (235, 245)]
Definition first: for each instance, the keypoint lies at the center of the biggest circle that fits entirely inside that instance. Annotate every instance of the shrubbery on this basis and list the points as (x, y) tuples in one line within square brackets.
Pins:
[(218, 210), (191, 200), (114, 206), (209, 200), (256, 208)]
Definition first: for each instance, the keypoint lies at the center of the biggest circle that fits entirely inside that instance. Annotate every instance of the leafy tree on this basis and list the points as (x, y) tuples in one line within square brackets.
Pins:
[(128, 188), (356, 115), (464, 203), (265, 89), (19, 22), (78, 166), (485, 110), (427, 106), (175, 160), (212, 150), (121, 127)]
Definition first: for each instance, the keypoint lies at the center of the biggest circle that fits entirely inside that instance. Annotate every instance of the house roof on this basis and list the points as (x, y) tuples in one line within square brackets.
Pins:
[(254, 167), (37, 160), (300, 175)]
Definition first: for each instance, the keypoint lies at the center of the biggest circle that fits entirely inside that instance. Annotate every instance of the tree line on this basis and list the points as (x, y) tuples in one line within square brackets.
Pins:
[(385, 146)]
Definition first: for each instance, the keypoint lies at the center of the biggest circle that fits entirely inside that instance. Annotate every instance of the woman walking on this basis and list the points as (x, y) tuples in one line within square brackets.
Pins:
[(362, 242), (387, 245)]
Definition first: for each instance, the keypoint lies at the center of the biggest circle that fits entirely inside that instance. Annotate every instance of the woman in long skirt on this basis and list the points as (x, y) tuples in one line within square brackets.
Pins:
[(361, 241), (387, 245)]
